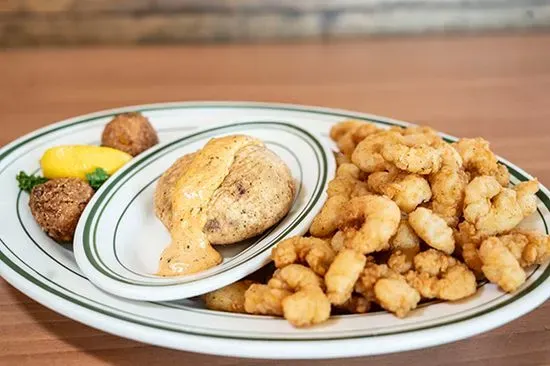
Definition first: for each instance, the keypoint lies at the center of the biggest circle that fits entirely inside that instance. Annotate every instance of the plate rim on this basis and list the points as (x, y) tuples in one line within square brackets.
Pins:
[(267, 349)]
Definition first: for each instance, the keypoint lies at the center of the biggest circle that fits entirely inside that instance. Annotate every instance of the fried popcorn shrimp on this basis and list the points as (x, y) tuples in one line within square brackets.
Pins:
[(448, 186), (377, 181), (419, 159), (440, 276), (342, 275), (364, 130), (326, 221), (396, 295), (264, 300), (356, 304), (432, 229), (317, 253), (526, 196), (306, 307), (479, 159), (367, 155), (348, 134), (528, 247), (342, 128), (230, 298), (405, 237), (370, 275), (341, 158), (408, 192), (368, 222), (469, 241), (337, 241), (341, 186), (401, 260), (405, 244), (493, 209), (295, 277), (500, 266), (433, 262)]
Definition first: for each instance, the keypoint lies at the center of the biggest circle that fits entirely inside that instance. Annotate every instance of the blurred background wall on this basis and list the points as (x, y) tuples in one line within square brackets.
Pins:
[(76, 22)]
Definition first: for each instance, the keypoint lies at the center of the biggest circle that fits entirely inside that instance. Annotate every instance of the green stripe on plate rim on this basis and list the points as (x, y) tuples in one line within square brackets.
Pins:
[(21, 272), (91, 223)]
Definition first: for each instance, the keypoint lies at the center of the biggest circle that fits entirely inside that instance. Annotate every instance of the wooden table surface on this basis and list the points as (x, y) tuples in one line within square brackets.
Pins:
[(494, 86)]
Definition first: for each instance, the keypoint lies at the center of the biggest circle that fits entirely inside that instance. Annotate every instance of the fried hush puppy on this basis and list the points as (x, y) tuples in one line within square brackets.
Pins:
[(57, 205), (409, 217), (129, 132)]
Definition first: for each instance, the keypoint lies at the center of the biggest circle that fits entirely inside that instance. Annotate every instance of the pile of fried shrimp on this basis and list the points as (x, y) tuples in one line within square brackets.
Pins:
[(409, 218)]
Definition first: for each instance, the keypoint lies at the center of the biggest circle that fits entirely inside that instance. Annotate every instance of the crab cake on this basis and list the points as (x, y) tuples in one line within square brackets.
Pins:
[(130, 132), (256, 194), (57, 205)]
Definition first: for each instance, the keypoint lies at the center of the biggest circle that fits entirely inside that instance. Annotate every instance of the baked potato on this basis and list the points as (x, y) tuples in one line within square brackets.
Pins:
[(256, 194)]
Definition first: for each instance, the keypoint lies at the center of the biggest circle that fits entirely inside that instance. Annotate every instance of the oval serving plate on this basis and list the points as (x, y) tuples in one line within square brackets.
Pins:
[(48, 273), (119, 239)]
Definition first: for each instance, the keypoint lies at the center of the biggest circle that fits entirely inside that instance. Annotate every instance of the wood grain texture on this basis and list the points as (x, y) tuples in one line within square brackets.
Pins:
[(497, 87)]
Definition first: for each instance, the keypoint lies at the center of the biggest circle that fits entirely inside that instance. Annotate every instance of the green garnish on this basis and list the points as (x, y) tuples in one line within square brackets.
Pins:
[(27, 182), (97, 178)]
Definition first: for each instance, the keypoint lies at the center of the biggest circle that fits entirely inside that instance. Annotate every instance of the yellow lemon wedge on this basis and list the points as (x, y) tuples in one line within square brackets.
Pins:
[(78, 160)]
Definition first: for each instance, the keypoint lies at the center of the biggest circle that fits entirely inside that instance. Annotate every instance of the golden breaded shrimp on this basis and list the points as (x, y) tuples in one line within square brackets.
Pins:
[(341, 186), (408, 192), (469, 241), (326, 221), (378, 218), (346, 145), (341, 158), (337, 241), (433, 262), (401, 260), (342, 128), (405, 244), (448, 187), (377, 181), (440, 276), (396, 296), (479, 159), (264, 300), (356, 304), (229, 298), (367, 155), (496, 210), (317, 253), (364, 130), (370, 275), (528, 247), (348, 170), (432, 229), (405, 237), (361, 189), (295, 277), (526, 196), (342, 275), (306, 307), (500, 266), (418, 159)]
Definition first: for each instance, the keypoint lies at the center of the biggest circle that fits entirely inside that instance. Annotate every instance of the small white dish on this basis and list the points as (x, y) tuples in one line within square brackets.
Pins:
[(119, 240), (48, 273)]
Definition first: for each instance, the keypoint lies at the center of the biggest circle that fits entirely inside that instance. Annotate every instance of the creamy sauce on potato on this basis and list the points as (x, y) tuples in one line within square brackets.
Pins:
[(190, 251)]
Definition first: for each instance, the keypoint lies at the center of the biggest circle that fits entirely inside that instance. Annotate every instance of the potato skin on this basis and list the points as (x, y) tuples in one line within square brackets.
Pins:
[(256, 194), (129, 132), (57, 205)]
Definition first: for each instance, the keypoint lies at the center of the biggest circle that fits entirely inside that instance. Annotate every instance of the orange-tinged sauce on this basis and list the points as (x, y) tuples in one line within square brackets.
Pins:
[(190, 252)]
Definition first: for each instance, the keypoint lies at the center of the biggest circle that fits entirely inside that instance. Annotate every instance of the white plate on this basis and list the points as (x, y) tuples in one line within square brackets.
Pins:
[(48, 272), (119, 239)]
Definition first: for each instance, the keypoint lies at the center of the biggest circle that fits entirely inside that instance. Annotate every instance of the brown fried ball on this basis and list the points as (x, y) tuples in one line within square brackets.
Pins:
[(57, 205), (130, 132)]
